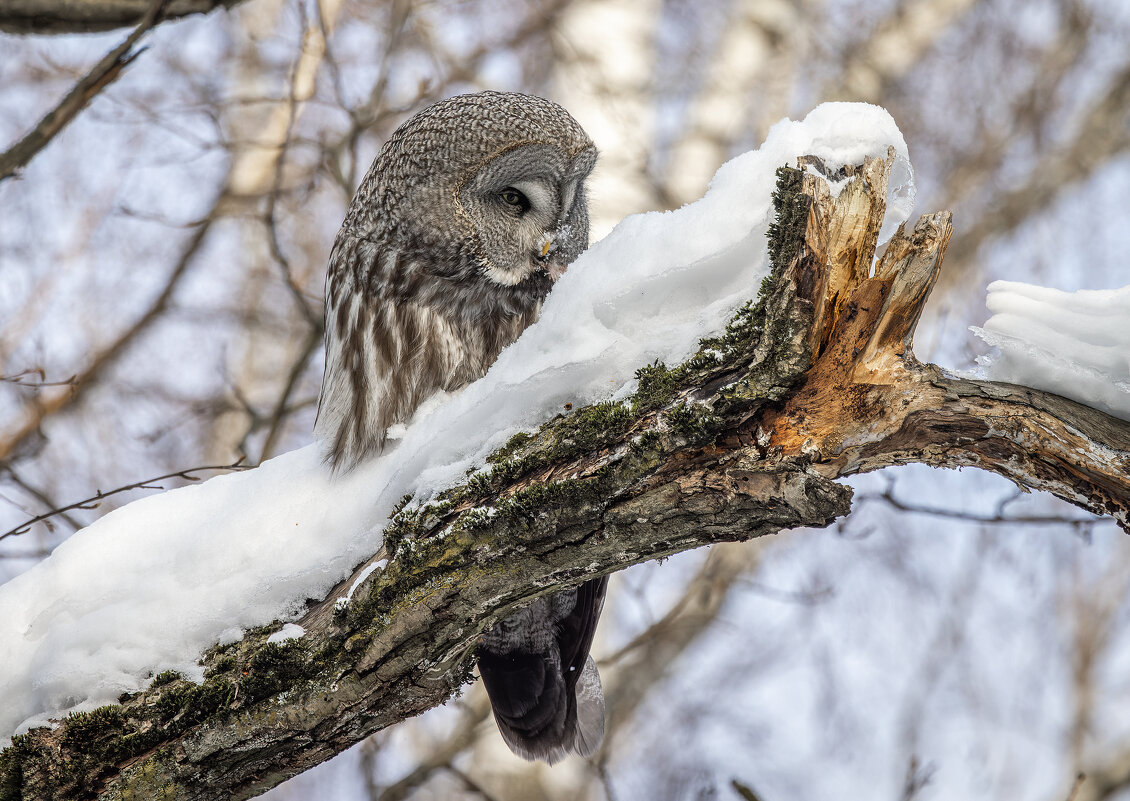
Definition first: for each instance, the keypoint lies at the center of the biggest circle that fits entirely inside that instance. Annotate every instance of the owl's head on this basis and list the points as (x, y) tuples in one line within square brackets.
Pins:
[(527, 209), (488, 187)]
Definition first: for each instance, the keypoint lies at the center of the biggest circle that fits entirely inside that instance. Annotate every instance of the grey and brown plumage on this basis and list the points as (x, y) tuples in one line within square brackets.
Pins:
[(469, 213)]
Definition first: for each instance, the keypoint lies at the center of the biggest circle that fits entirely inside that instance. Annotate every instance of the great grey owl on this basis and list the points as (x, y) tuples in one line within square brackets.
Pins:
[(469, 213)]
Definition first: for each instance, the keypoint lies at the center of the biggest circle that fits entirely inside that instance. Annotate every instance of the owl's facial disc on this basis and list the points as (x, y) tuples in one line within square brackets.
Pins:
[(531, 207), (537, 201), (523, 206)]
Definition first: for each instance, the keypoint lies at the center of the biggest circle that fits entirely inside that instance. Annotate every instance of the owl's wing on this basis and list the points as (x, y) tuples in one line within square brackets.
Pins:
[(575, 632), (385, 354), (574, 638)]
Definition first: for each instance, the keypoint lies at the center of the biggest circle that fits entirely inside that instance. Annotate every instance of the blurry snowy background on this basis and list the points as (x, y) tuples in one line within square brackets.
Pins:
[(161, 268)]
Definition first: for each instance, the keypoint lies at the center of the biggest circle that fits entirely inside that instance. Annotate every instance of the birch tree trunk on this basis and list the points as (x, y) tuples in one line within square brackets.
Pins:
[(605, 61)]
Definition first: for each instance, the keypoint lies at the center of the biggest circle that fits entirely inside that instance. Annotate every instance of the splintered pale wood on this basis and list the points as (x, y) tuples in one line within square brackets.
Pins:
[(818, 383), (841, 235), (911, 265)]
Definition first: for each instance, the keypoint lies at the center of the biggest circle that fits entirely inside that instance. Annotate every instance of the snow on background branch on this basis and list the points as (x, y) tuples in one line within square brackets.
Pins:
[(1075, 344)]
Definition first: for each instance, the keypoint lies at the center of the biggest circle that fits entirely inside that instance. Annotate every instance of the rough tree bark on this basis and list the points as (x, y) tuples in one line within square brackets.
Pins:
[(815, 381)]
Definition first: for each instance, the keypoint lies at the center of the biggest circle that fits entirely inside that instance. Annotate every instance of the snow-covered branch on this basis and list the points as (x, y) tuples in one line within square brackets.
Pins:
[(815, 381)]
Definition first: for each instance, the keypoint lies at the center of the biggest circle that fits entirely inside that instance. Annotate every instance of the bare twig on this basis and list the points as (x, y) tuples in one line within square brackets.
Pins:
[(469, 783), (895, 47), (459, 740), (918, 777), (606, 782), (295, 97), (888, 497), (94, 500), (21, 379), (1101, 137), (283, 407), (42, 497), (1079, 779), (90, 16), (643, 663), (744, 791)]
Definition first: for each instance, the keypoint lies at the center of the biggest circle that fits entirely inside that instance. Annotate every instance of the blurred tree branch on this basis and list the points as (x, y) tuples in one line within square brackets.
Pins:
[(1103, 134), (998, 517), (104, 73), (895, 47), (816, 382), (50, 403)]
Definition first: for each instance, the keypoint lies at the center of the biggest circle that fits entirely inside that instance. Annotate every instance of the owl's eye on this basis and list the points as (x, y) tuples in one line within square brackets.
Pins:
[(512, 197)]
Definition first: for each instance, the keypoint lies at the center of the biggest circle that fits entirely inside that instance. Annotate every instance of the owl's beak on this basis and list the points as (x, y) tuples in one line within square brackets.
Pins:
[(553, 267)]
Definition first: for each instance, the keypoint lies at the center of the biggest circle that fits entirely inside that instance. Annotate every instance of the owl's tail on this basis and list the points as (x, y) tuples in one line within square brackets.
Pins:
[(538, 716), (550, 704)]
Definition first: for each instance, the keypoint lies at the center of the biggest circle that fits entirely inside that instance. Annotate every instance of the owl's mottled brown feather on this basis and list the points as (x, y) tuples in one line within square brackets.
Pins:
[(449, 247)]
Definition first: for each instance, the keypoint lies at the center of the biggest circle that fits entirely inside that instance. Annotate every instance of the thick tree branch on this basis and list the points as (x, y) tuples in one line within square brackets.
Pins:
[(868, 403), (90, 16), (814, 382)]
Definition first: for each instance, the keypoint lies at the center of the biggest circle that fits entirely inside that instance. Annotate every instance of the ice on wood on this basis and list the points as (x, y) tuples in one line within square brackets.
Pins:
[(1075, 344), (153, 584)]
